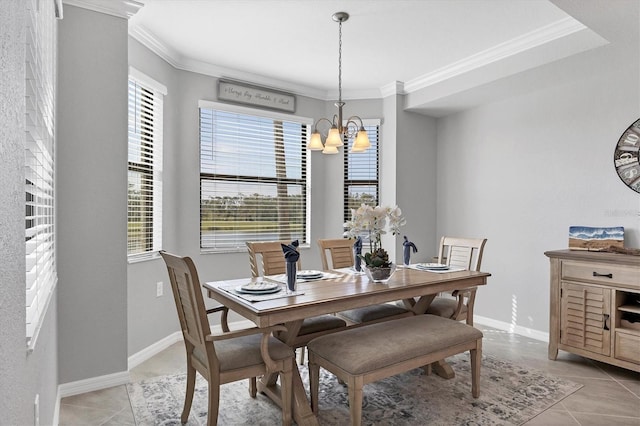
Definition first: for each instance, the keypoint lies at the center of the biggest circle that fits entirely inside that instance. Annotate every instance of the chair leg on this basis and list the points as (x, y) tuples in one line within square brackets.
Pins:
[(214, 401), (314, 383), (476, 357), (286, 385), (188, 398), (253, 387), (355, 400)]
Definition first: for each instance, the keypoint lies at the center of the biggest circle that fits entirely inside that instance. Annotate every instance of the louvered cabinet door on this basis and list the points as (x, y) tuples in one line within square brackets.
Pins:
[(585, 317)]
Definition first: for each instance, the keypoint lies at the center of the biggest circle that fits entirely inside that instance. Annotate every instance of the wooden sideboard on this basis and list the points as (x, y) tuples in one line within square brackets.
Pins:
[(595, 306)]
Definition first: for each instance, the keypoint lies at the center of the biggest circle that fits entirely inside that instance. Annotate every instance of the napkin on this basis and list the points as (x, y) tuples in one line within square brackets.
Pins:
[(408, 245), (357, 251), (291, 256)]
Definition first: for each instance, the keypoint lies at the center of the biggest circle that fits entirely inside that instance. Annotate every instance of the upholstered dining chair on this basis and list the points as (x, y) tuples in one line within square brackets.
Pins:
[(268, 254), (341, 254), (228, 356), (463, 253)]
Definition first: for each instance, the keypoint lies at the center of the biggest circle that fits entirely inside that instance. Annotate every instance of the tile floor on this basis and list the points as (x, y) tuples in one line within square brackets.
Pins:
[(610, 396)]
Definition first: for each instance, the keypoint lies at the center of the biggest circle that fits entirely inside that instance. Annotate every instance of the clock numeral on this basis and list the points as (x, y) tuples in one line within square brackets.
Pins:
[(629, 138)]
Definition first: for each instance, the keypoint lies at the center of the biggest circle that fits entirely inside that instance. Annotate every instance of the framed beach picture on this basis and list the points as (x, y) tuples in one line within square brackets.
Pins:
[(595, 239)]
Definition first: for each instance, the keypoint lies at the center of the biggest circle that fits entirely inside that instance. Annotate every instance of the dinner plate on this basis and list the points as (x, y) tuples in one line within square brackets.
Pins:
[(268, 291), (308, 275), (259, 286), (435, 266)]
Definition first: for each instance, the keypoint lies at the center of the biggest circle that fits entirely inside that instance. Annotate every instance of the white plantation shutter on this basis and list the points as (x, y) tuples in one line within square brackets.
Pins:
[(41, 275), (144, 212), (361, 171), (253, 177)]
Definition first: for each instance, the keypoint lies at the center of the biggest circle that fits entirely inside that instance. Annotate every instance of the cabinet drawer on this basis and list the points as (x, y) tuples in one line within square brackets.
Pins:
[(627, 347), (620, 275)]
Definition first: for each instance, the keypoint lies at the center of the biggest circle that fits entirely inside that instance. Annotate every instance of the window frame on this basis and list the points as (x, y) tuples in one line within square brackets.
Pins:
[(270, 115), (368, 123), (154, 235)]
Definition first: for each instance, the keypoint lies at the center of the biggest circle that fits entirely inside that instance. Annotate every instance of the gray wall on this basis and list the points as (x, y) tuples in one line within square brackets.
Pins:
[(521, 171), (22, 375), (92, 194)]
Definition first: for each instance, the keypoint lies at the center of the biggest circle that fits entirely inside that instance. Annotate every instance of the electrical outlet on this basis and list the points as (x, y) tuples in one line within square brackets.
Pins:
[(159, 289), (36, 410)]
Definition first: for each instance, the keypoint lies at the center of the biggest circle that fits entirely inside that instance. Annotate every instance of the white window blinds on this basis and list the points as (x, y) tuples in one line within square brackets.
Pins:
[(144, 213), (361, 172), (253, 178), (41, 275)]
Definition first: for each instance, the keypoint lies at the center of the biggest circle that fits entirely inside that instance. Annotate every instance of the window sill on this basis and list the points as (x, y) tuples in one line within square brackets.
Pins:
[(143, 257)]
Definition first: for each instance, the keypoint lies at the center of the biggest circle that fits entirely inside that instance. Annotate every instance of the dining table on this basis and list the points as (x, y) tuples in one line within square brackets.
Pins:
[(337, 290)]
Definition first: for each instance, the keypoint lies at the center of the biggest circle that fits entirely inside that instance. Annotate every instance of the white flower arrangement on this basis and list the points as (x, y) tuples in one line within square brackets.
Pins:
[(374, 221)]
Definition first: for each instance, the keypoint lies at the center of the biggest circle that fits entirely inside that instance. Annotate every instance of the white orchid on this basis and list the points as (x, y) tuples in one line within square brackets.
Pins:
[(373, 220)]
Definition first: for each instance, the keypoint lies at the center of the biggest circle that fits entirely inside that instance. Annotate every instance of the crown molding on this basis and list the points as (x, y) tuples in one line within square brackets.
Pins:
[(530, 40), (120, 8), (151, 42), (515, 46), (393, 88)]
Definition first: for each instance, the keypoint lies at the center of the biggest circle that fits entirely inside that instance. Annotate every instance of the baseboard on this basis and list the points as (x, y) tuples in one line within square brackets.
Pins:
[(93, 384), (154, 349), (511, 328)]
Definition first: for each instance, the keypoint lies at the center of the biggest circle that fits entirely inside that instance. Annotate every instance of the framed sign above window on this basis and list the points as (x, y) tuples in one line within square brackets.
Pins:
[(248, 94)]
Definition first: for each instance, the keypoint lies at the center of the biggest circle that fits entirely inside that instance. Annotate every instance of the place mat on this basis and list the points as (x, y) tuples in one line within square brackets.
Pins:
[(437, 271), (259, 297), (282, 278)]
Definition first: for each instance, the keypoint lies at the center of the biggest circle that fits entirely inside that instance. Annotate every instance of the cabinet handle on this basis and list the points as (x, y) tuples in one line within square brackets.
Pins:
[(605, 318), (595, 274)]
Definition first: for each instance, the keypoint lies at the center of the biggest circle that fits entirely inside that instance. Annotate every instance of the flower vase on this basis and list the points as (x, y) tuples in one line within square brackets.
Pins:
[(379, 274)]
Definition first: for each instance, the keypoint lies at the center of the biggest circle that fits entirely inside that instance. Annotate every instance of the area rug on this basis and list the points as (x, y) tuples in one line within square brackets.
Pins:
[(509, 395)]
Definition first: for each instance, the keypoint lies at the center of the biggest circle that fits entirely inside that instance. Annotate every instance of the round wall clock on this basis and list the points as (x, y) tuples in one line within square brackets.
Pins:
[(626, 157)]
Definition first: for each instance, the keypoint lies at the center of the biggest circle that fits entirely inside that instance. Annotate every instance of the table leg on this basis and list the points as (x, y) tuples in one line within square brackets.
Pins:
[(302, 413)]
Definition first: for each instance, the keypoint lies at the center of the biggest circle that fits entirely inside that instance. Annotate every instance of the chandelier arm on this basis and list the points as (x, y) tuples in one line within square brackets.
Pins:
[(355, 117), (315, 127)]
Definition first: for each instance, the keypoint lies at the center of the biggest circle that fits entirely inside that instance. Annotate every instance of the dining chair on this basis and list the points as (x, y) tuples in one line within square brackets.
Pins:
[(463, 253), (266, 258), (228, 356), (341, 254)]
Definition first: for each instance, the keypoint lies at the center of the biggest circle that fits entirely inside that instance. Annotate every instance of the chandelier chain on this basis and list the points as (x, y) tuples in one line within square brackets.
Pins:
[(340, 61)]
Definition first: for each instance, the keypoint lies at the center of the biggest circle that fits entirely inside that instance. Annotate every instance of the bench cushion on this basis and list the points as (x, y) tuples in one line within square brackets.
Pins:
[(371, 347)]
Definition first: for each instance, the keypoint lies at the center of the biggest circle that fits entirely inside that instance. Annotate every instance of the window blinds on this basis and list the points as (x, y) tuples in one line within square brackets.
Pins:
[(361, 173), (41, 275), (144, 212), (253, 179)]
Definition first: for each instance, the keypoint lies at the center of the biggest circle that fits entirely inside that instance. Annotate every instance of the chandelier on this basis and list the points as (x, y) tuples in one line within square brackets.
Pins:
[(353, 126)]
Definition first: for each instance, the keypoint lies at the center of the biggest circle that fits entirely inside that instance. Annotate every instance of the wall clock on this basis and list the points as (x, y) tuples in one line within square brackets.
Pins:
[(626, 158)]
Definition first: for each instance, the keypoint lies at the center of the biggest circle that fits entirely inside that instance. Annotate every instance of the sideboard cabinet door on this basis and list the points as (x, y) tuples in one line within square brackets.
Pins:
[(585, 317)]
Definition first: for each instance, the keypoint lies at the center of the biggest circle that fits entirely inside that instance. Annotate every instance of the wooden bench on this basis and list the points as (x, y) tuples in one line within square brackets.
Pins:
[(373, 352)]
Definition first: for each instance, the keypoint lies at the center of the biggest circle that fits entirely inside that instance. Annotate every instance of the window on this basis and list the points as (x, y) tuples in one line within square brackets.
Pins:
[(253, 177), (144, 212), (361, 172), (40, 61)]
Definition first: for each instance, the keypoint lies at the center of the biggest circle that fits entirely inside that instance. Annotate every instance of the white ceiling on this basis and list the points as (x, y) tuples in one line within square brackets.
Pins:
[(440, 52)]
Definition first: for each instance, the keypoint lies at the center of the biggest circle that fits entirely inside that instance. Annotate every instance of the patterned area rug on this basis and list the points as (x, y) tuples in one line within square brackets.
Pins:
[(509, 395)]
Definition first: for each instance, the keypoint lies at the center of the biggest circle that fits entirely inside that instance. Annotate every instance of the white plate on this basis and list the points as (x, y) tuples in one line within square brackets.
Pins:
[(256, 292), (432, 266), (309, 274), (259, 286)]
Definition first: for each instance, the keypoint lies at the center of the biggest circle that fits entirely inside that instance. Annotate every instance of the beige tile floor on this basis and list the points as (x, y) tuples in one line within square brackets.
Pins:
[(610, 396)]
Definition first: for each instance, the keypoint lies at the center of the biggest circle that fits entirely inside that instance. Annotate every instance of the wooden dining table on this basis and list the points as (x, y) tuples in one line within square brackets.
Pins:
[(343, 291)]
